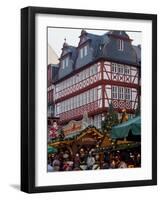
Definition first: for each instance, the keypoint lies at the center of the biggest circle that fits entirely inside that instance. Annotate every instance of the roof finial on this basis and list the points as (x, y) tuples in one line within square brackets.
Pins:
[(83, 31), (65, 42)]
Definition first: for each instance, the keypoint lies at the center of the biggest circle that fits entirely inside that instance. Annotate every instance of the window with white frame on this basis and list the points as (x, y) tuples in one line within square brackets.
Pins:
[(77, 79), (66, 106), (78, 101), (95, 69), (57, 88), (65, 62), (83, 51), (127, 93), (57, 108), (81, 99), (91, 95), (114, 92), (88, 97), (83, 75), (62, 107), (120, 92), (84, 98), (71, 103), (95, 94), (75, 101), (87, 73), (121, 45), (120, 69), (91, 70), (127, 70), (99, 121), (114, 67), (69, 82), (80, 76)]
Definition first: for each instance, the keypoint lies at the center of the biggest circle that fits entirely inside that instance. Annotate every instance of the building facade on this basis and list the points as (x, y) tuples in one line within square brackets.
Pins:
[(52, 70), (101, 70)]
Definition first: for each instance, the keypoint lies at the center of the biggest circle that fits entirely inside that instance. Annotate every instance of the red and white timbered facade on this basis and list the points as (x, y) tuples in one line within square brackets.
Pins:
[(93, 88)]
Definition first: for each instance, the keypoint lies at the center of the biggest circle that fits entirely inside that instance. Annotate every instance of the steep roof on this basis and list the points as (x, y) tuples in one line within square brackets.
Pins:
[(99, 46), (138, 52)]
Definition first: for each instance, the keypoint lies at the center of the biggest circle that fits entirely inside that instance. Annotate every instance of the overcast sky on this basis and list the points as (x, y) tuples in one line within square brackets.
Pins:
[(56, 37)]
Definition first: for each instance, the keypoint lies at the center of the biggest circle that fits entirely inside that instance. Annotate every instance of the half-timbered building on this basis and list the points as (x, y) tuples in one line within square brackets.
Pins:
[(101, 70)]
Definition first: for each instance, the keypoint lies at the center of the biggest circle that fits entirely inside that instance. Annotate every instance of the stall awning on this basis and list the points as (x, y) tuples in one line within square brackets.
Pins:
[(52, 149), (122, 130)]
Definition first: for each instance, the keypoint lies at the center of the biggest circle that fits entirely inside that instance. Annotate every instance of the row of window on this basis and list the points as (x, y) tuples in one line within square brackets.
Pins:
[(121, 69), (77, 78), (77, 101), (121, 93), (116, 68)]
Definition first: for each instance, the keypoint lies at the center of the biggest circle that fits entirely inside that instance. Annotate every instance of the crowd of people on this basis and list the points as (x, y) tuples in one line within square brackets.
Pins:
[(90, 159)]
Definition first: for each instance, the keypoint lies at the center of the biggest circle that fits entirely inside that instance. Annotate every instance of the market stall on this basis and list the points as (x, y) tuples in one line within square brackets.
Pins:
[(130, 128)]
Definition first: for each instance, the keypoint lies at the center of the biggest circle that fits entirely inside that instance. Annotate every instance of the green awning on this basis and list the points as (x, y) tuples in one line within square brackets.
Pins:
[(52, 149), (122, 130)]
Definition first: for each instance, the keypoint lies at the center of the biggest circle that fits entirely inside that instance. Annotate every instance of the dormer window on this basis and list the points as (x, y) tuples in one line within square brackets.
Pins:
[(83, 51), (65, 62), (121, 45)]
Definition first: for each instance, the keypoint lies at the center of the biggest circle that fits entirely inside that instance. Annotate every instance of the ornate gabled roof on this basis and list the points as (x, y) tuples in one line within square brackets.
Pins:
[(100, 46)]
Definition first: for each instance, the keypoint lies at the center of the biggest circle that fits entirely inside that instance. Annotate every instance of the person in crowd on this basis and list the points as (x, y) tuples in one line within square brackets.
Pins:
[(68, 166), (138, 160), (82, 156), (105, 165), (122, 163), (117, 160), (77, 161), (50, 168), (56, 163), (112, 164), (90, 161)]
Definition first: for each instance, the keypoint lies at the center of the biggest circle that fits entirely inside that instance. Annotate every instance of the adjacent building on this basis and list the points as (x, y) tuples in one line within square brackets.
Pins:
[(101, 70), (52, 70)]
